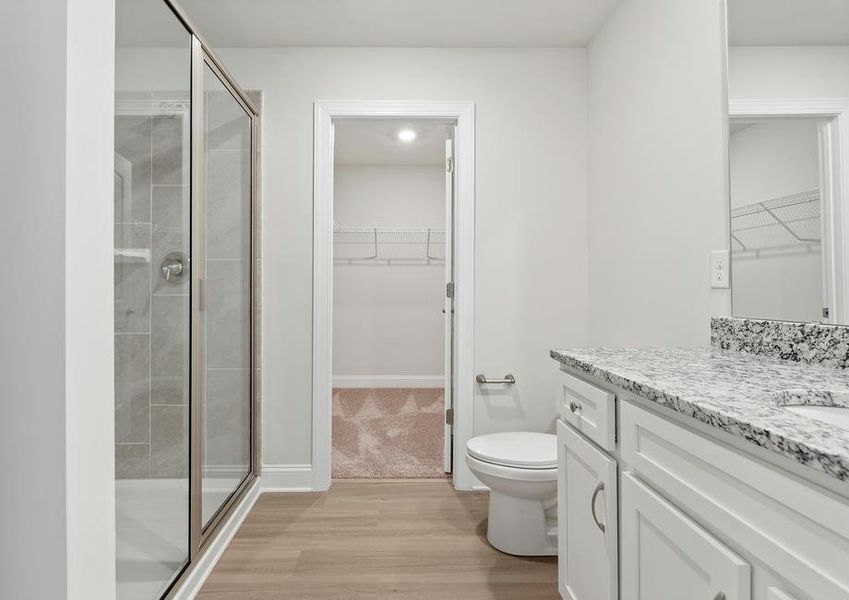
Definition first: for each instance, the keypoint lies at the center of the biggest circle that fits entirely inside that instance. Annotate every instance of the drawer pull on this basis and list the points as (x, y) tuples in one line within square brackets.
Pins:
[(601, 526), (719, 596), (574, 407)]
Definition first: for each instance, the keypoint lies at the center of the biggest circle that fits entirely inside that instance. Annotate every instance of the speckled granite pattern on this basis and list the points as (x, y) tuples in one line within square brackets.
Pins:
[(741, 394), (811, 343)]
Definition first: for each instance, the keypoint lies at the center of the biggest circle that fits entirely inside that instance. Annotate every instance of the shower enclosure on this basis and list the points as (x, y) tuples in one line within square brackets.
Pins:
[(186, 271)]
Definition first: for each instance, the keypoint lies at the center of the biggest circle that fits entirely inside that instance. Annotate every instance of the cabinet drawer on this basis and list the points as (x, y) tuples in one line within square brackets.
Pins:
[(589, 409), (789, 526)]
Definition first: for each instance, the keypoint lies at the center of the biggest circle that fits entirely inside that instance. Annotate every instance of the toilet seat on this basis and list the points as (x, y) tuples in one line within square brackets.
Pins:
[(516, 449)]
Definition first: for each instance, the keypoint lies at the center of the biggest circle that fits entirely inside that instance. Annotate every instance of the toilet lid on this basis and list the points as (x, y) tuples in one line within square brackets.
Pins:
[(522, 449)]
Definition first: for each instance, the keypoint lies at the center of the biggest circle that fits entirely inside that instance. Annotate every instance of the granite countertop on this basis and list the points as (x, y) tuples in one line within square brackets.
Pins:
[(741, 394)]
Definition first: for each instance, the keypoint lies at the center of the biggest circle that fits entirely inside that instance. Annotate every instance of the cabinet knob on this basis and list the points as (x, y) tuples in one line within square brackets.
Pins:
[(574, 407), (719, 596)]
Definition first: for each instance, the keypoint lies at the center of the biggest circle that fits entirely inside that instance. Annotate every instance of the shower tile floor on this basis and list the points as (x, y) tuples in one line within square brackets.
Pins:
[(388, 433), (152, 532)]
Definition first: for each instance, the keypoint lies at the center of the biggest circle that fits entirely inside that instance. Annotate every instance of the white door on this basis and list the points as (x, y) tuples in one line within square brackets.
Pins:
[(448, 307), (667, 556), (586, 519)]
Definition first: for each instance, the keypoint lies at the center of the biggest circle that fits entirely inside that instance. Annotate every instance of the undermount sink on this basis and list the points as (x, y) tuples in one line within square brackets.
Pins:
[(835, 415), (828, 406)]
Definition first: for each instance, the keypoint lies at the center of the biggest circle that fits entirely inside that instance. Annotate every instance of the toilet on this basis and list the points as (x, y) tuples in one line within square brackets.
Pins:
[(520, 468)]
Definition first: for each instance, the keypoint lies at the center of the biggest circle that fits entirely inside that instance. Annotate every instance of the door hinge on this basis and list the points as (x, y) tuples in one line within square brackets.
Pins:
[(449, 416), (449, 165), (449, 290)]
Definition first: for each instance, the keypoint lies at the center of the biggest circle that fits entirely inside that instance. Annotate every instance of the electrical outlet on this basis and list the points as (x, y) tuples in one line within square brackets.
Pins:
[(720, 269)]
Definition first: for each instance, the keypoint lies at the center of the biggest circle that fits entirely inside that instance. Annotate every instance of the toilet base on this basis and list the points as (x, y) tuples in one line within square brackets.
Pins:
[(522, 526)]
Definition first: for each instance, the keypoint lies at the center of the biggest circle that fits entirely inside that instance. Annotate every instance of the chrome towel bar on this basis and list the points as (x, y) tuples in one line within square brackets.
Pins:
[(508, 379)]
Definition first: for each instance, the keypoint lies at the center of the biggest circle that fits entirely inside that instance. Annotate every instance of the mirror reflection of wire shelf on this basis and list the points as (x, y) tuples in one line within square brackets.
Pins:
[(790, 223), (388, 245)]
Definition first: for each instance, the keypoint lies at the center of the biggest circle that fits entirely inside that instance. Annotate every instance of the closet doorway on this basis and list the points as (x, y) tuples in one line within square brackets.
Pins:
[(392, 335), (393, 188)]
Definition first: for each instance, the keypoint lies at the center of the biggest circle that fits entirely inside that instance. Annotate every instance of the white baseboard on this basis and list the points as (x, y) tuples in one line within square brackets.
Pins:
[(388, 381), (287, 478), (202, 566)]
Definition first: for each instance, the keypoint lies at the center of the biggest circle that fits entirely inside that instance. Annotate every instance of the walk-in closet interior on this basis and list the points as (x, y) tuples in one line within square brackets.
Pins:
[(185, 155), (776, 223), (391, 206)]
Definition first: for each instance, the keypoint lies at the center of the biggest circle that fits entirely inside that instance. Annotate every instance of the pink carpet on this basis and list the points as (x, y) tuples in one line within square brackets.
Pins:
[(392, 433)]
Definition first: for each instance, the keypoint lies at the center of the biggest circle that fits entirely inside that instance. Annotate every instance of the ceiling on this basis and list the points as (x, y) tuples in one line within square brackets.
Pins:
[(788, 22), (375, 142), (393, 23)]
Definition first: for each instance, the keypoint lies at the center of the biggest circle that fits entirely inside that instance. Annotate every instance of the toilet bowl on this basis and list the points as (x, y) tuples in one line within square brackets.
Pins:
[(520, 469)]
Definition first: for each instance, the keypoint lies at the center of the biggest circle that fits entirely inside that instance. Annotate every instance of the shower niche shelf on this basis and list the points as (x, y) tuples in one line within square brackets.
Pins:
[(132, 254)]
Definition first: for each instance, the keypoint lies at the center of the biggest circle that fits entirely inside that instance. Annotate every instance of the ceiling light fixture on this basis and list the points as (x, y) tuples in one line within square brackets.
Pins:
[(406, 135)]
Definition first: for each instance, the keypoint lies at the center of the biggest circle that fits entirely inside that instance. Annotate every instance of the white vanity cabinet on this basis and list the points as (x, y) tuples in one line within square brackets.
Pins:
[(666, 555), (587, 519), (686, 512)]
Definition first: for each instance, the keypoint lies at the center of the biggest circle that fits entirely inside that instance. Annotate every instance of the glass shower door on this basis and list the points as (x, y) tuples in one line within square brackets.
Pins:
[(226, 414), (151, 299), (184, 277)]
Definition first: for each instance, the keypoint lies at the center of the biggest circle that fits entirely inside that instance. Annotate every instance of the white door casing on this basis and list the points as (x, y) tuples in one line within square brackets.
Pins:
[(463, 113), (448, 305), (833, 114)]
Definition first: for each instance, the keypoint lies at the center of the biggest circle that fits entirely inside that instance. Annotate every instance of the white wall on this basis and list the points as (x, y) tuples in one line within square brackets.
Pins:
[(774, 159), (658, 201), (387, 319), (33, 550), (788, 72), (56, 349), (784, 286), (531, 262), (771, 160), (89, 312)]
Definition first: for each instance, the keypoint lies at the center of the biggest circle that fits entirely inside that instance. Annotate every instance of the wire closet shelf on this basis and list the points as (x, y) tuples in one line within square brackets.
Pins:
[(388, 245), (786, 223)]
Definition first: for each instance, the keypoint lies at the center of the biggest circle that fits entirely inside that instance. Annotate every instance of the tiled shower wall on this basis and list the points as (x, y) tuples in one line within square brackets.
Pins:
[(151, 315)]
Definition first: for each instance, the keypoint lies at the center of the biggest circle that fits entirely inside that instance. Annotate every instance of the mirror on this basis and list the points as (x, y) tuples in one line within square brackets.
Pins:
[(788, 148)]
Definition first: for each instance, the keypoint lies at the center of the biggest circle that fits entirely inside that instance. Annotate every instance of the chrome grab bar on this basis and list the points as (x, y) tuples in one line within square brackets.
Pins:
[(482, 379)]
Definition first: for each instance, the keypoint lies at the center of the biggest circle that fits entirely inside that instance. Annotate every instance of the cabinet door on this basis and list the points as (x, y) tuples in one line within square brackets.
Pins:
[(667, 556), (587, 519), (773, 593)]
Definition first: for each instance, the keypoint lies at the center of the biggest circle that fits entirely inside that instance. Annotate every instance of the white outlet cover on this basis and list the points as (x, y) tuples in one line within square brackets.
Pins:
[(720, 269)]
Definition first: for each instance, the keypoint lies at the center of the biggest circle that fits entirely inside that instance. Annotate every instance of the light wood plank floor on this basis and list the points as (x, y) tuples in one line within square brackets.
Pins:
[(374, 539)]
